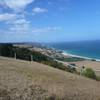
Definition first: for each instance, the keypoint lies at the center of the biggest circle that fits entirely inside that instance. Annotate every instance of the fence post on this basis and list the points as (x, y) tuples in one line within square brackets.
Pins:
[(31, 57), (15, 55)]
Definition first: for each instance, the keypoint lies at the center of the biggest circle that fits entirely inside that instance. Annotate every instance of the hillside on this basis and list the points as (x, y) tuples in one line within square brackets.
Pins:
[(90, 64), (23, 80)]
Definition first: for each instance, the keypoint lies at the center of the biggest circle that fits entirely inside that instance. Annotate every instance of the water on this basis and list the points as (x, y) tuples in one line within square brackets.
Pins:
[(90, 49)]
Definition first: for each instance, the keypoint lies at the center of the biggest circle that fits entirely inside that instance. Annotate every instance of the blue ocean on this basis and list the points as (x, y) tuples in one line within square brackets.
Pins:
[(90, 49)]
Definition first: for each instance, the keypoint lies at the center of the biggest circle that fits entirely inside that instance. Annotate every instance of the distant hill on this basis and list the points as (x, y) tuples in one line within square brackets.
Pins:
[(24, 80)]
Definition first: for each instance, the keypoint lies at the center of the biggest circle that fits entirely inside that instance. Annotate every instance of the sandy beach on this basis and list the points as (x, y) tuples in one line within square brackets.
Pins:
[(88, 63), (71, 55)]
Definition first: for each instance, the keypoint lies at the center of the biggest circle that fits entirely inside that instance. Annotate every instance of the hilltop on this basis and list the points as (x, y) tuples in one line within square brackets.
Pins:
[(25, 80)]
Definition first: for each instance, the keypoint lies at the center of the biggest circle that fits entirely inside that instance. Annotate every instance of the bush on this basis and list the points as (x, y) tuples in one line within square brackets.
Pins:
[(73, 64), (89, 73), (6, 50), (98, 78), (23, 53), (93, 60), (71, 59), (71, 68), (55, 64)]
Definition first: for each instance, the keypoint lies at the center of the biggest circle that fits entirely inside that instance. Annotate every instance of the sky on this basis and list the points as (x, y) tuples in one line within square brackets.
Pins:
[(49, 20)]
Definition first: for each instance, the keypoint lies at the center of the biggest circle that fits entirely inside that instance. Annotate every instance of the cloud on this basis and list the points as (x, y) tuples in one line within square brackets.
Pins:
[(39, 10), (22, 26), (19, 26), (21, 30), (15, 4), (7, 16), (19, 21), (46, 30)]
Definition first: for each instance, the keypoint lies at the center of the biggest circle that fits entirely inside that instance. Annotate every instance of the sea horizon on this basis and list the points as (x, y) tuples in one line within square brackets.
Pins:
[(79, 56), (83, 49)]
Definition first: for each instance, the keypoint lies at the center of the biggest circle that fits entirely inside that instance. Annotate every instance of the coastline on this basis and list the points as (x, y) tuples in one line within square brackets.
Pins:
[(72, 55)]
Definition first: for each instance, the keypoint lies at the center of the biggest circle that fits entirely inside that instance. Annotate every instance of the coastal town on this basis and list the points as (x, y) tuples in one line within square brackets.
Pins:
[(69, 60), (53, 53)]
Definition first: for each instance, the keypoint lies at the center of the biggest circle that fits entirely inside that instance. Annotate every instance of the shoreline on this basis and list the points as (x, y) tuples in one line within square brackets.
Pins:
[(72, 55)]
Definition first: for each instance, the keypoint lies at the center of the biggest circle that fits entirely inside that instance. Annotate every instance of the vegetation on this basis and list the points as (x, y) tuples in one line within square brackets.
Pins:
[(71, 69), (89, 73), (24, 73), (73, 64), (98, 78), (22, 80), (71, 59), (25, 54), (6, 50), (22, 53), (55, 64), (93, 60)]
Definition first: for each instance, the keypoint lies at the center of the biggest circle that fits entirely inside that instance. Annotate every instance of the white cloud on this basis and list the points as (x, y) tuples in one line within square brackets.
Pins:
[(19, 21), (16, 4), (39, 10), (46, 30), (7, 16), (19, 26)]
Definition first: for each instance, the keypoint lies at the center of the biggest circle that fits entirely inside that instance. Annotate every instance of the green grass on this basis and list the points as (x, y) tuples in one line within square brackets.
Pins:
[(71, 59)]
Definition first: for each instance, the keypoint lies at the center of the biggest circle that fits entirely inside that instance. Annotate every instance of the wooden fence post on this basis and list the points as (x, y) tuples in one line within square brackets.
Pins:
[(15, 55), (31, 57)]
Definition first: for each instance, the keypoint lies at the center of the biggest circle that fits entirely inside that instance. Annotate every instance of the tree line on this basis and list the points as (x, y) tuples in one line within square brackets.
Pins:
[(8, 50)]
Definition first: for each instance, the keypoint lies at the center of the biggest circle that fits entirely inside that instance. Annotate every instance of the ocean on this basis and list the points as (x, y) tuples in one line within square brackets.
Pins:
[(90, 49)]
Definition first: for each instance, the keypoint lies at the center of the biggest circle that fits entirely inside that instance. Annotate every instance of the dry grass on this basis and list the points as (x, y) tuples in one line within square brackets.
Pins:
[(23, 80), (90, 64)]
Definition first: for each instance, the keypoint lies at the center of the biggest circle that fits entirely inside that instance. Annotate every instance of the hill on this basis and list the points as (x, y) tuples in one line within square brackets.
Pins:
[(24, 80)]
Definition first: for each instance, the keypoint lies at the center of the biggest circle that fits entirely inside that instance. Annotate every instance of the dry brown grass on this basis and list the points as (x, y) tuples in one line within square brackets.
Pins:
[(23, 80), (90, 64)]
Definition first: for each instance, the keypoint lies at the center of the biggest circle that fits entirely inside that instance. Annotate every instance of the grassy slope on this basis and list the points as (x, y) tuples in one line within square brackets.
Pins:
[(90, 64), (23, 80)]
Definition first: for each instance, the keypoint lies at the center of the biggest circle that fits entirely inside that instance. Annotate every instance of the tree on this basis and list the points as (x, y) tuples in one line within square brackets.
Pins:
[(6, 50)]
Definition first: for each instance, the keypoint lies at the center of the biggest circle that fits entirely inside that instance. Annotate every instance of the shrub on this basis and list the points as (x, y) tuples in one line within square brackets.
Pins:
[(93, 60), (73, 64), (55, 64), (23, 53), (89, 73), (6, 50), (98, 78), (71, 59), (71, 68)]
